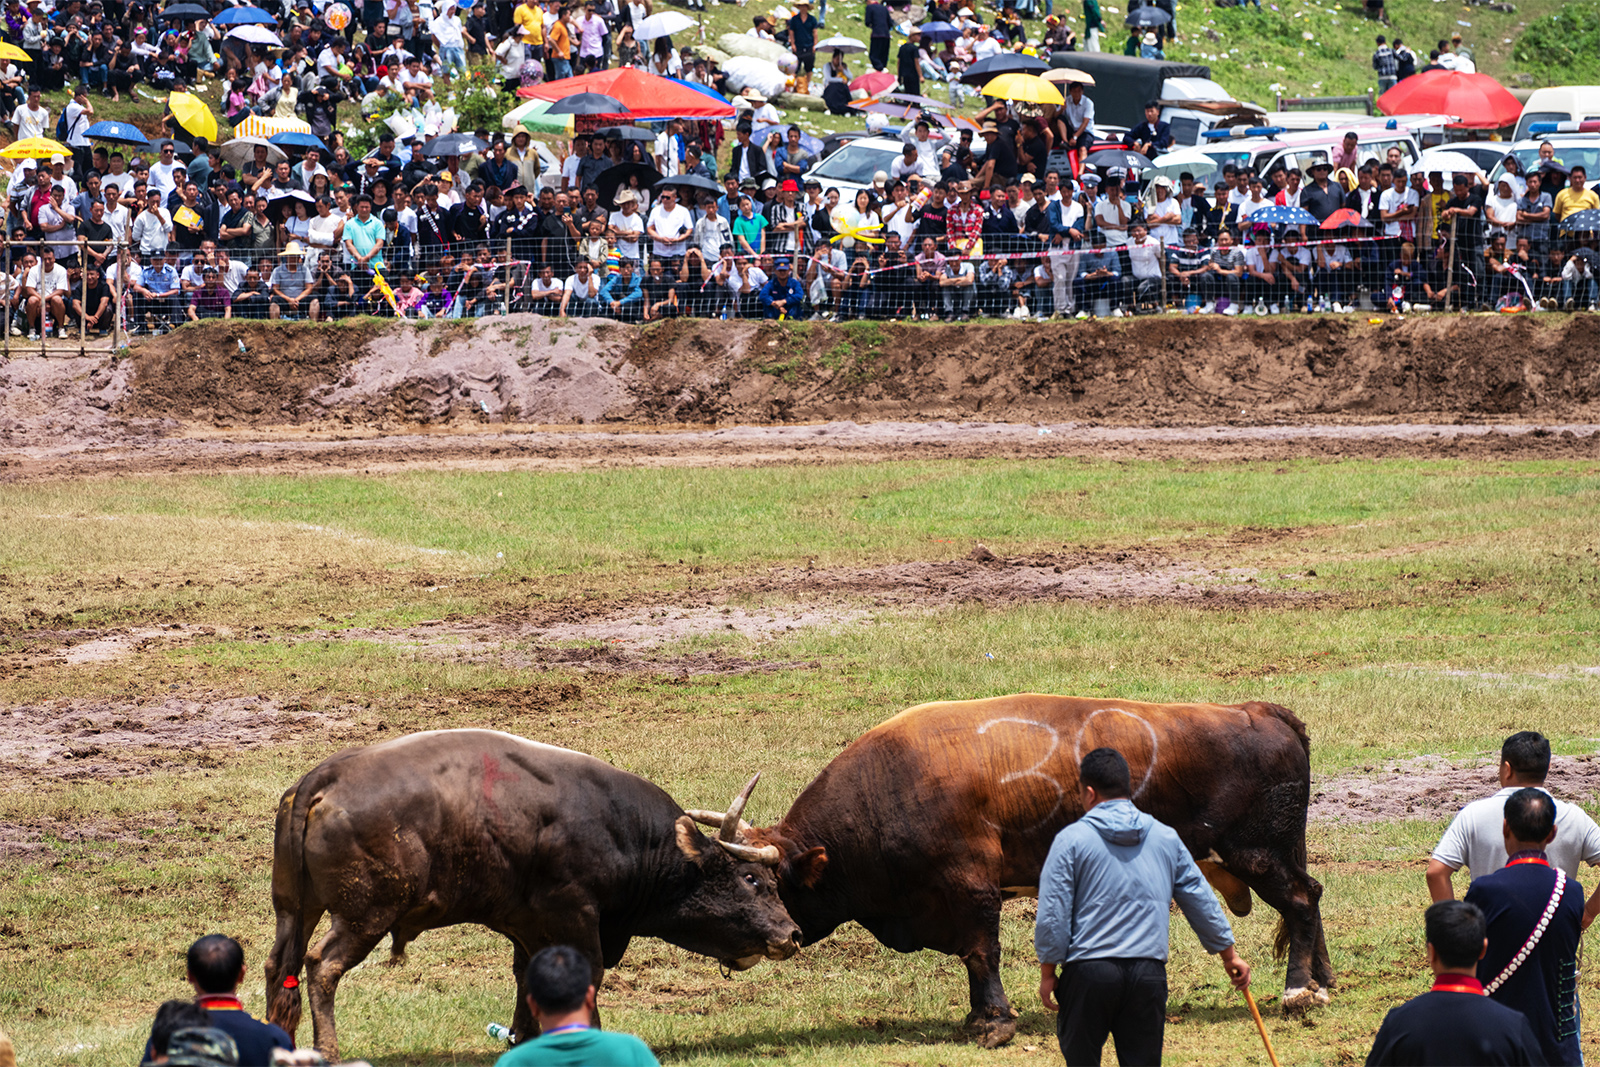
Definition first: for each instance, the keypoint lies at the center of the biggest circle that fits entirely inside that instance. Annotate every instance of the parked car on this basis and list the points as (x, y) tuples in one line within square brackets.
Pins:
[(1559, 103)]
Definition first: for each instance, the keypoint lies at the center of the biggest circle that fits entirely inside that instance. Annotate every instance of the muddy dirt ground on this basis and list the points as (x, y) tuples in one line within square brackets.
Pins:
[(526, 392)]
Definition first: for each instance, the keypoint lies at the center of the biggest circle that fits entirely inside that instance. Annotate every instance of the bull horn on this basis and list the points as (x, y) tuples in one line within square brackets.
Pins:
[(730, 821), (706, 818), (766, 854)]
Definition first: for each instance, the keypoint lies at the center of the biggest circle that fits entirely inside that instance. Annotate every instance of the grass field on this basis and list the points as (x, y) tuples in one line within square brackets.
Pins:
[(1401, 607)]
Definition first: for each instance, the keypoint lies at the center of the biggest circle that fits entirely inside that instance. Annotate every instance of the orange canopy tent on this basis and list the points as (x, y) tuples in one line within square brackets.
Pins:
[(646, 96)]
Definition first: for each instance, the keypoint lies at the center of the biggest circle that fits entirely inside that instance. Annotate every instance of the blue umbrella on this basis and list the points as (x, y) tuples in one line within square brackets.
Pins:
[(939, 31), (302, 141), (117, 133), (244, 16), (1281, 215), (706, 89)]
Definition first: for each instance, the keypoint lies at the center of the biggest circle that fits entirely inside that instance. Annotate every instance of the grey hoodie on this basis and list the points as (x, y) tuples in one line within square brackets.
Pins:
[(1106, 886)]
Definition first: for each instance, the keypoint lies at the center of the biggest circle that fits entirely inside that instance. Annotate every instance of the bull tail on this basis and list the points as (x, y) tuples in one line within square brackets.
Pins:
[(291, 893)]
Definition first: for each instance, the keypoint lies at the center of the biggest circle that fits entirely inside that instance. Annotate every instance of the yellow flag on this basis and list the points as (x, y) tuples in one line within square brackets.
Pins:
[(383, 287)]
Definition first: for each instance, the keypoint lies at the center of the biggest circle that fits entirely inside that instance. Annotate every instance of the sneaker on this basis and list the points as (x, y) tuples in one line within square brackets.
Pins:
[(1208, 308), (1421, 307), (1338, 308), (1405, 306), (1082, 315), (16, 331), (33, 335), (1230, 310), (1569, 305), (1548, 303), (1117, 313)]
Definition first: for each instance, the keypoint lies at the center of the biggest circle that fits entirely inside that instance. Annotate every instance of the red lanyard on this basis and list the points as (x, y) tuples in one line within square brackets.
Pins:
[(1540, 860), (1458, 983)]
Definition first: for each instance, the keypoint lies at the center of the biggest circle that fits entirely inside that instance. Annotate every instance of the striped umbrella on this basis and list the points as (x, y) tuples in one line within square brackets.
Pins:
[(265, 126)]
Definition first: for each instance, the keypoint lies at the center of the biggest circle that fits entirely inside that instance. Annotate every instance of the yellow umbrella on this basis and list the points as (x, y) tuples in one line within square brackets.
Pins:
[(35, 148), (193, 115), (1026, 88), (12, 52)]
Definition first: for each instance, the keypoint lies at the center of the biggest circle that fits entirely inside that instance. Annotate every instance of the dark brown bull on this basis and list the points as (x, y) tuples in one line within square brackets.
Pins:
[(924, 825), (538, 843)]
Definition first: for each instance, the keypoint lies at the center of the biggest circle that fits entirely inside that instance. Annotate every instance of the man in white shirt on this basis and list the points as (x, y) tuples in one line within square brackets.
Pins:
[(309, 167), (46, 292), (118, 176), (167, 171), (116, 214), (1474, 840), (828, 278), (1144, 257), (1112, 212), (153, 228), (1078, 110), (669, 227), (31, 119), (446, 30), (1397, 204), (582, 292), (627, 225)]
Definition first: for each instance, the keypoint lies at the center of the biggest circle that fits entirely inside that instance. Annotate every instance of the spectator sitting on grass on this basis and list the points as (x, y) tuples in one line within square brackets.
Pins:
[(560, 984)]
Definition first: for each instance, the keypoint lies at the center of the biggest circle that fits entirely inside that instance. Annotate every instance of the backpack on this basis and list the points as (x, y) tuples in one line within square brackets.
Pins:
[(61, 126)]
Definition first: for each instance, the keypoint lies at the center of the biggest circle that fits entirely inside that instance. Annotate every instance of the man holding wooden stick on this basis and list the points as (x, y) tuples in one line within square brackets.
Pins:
[(1104, 899)]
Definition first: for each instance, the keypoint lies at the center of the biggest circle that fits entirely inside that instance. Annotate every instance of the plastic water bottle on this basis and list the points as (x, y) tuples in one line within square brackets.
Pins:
[(498, 1032)]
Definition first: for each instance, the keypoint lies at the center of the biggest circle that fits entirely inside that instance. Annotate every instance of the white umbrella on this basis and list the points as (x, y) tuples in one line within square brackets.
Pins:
[(1446, 162), (663, 25), (253, 34), (846, 45), (1067, 75), (242, 150)]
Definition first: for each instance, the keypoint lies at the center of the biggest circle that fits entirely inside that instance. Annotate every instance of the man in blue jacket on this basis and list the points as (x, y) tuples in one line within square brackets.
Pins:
[(1104, 897), (782, 297), (622, 295)]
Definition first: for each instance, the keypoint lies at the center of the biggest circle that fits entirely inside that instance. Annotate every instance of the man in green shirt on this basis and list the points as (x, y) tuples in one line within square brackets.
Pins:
[(560, 984), (1094, 26)]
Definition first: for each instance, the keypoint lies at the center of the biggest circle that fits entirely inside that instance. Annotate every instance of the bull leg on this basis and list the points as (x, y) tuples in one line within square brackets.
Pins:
[(992, 1020), (1321, 964), (524, 1027), (1295, 895), (343, 947)]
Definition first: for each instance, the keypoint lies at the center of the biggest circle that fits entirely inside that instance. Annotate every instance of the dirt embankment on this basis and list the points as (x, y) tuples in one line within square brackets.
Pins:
[(522, 370)]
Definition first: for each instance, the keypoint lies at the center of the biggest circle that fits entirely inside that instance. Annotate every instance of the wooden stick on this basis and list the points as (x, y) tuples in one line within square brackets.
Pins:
[(1261, 1026)]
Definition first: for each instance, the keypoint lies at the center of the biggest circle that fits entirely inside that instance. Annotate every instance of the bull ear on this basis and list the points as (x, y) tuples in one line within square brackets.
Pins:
[(807, 867), (691, 842)]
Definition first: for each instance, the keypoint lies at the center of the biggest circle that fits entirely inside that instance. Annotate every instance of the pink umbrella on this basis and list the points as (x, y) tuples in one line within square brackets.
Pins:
[(876, 81)]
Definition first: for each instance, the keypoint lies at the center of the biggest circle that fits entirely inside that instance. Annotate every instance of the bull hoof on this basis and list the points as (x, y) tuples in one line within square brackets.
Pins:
[(993, 1029), (1299, 1000)]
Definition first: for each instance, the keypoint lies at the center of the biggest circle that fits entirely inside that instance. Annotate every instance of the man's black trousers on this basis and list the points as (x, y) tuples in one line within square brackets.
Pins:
[(1124, 999)]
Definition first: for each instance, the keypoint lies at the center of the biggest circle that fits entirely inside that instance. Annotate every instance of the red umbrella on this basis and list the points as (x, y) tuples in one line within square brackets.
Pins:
[(1478, 100), (646, 96), (874, 82), (1345, 217)]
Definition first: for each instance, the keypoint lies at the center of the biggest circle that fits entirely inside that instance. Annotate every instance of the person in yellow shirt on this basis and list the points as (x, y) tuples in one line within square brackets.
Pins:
[(558, 50), (529, 21), (1574, 197)]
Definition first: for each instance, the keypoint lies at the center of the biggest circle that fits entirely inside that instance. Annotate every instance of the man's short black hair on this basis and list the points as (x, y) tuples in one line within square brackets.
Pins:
[(558, 978), (215, 962), (172, 1016), (1579, 168), (1456, 931), (1106, 772), (1148, 104), (1528, 752), (1530, 814)]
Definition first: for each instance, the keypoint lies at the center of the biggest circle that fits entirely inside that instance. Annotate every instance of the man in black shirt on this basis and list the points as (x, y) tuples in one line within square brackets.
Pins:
[(661, 294), (1000, 160), (892, 284), (469, 226), (907, 63), (1152, 136), (594, 164), (94, 307), (1466, 208), (417, 168), (1454, 1022), (520, 223), (97, 232), (558, 234), (1322, 198)]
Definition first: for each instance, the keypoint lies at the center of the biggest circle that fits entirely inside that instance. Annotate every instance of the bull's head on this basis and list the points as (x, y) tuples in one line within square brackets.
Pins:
[(753, 870), (794, 866)]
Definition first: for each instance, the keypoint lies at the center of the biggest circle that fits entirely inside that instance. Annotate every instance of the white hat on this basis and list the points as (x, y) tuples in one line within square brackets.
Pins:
[(625, 196), (293, 249), (880, 179), (965, 13), (1150, 38), (754, 96), (57, 158)]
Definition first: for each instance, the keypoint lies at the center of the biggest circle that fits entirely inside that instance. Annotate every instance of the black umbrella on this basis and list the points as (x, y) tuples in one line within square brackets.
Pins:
[(985, 70), (179, 149), (613, 178), (1589, 254), (1147, 17), (453, 144), (625, 133), (186, 11), (588, 104), (1117, 157), (689, 183), (1585, 221)]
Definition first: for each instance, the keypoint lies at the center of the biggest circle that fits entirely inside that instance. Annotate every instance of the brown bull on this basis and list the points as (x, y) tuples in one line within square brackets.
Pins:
[(543, 845), (924, 825)]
